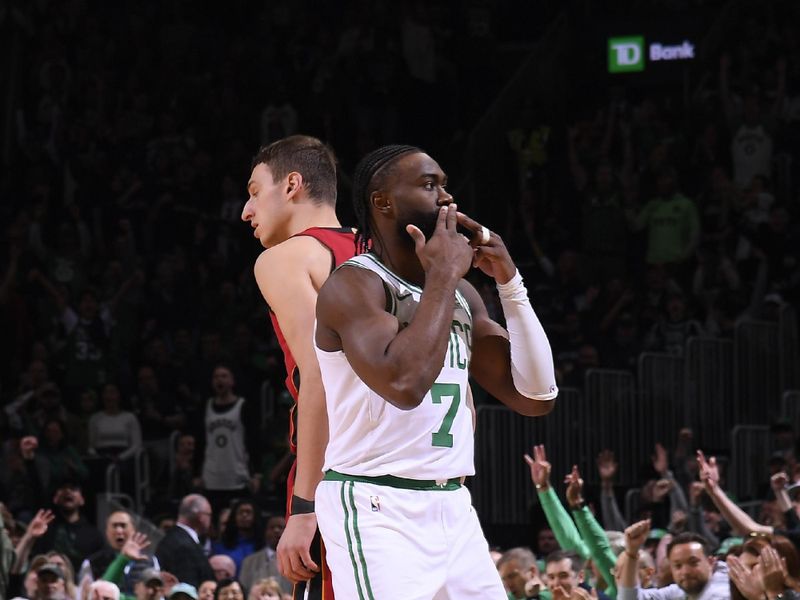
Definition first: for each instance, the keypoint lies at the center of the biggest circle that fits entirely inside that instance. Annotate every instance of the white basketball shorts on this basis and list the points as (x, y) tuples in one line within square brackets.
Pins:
[(390, 543)]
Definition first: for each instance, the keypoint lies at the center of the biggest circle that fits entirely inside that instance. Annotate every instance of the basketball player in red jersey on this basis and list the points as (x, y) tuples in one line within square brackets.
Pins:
[(291, 207)]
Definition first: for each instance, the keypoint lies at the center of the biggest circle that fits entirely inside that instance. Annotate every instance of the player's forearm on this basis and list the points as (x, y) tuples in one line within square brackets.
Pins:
[(532, 366), (415, 356), (312, 437)]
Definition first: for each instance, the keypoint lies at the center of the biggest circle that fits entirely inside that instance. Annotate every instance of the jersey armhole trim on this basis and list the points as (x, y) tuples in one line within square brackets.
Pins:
[(324, 245)]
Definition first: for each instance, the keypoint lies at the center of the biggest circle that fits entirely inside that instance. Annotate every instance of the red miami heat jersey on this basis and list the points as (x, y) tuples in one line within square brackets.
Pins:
[(342, 245)]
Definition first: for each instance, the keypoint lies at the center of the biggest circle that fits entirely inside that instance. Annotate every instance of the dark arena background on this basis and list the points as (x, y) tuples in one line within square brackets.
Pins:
[(641, 160)]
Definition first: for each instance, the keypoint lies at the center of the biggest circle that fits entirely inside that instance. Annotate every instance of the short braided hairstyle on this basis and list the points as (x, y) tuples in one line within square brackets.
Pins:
[(368, 177)]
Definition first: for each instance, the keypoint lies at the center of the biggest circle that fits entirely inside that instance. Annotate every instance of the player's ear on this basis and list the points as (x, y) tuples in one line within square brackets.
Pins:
[(294, 182), (380, 201)]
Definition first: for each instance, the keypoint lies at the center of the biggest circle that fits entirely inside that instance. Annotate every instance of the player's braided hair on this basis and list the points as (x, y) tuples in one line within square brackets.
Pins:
[(369, 175)]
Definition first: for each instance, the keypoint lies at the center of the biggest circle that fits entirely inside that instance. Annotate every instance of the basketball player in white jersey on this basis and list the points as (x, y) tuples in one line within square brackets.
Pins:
[(399, 332)]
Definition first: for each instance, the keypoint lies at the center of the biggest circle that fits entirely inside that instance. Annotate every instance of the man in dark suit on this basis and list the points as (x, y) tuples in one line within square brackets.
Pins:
[(180, 552)]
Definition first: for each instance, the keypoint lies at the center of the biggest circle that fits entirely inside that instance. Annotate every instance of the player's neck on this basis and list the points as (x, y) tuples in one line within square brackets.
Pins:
[(401, 260), (312, 215)]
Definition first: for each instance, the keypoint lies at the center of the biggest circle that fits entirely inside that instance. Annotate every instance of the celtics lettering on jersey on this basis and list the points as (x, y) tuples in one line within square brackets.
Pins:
[(370, 436), (221, 430)]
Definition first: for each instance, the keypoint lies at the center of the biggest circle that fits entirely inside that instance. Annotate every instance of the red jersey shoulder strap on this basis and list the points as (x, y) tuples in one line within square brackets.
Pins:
[(340, 241)]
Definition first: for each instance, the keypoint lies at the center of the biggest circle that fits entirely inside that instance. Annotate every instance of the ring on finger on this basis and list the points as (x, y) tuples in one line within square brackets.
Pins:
[(485, 235)]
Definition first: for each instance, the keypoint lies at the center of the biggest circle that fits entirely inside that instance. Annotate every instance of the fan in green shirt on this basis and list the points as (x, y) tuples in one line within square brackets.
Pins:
[(671, 221), (152, 579), (584, 535)]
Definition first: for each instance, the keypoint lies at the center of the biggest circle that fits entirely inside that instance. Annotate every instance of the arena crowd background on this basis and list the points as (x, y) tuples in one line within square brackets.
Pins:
[(126, 134)]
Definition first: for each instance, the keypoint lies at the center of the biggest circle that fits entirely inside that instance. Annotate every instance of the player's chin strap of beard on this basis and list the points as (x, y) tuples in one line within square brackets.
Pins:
[(531, 357)]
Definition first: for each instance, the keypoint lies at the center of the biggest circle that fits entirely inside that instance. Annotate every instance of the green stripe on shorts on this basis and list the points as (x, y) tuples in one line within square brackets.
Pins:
[(358, 542), (350, 545)]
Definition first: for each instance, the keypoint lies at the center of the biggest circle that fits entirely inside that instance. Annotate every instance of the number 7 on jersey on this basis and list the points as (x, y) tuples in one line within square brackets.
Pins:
[(443, 438)]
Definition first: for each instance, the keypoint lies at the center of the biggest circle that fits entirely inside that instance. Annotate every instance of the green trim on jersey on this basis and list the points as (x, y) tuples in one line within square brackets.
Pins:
[(402, 483), (376, 261)]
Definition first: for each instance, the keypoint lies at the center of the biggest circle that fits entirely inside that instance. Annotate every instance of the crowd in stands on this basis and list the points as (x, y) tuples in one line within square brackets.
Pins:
[(130, 316), (61, 556), (690, 539)]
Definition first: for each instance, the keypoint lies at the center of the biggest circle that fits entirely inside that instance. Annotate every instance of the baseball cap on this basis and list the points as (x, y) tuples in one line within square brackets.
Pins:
[(51, 568), (183, 588), (150, 574), (727, 544)]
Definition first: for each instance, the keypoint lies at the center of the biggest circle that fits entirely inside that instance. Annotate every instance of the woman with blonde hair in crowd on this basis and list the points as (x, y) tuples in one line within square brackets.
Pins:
[(69, 573), (31, 580), (266, 589)]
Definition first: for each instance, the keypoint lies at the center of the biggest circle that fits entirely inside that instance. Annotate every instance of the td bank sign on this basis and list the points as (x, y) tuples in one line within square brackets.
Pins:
[(627, 54)]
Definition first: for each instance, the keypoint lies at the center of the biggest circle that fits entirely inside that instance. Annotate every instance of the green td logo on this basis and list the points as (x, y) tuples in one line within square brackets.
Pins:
[(626, 54)]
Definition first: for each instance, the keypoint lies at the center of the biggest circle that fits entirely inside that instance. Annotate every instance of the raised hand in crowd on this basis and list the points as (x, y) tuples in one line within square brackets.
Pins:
[(695, 493), (38, 525), (607, 469), (661, 489), (739, 520), (679, 521), (36, 529), (28, 446), (133, 547), (628, 564), (778, 482), (635, 537), (574, 488), (540, 468), (709, 472)]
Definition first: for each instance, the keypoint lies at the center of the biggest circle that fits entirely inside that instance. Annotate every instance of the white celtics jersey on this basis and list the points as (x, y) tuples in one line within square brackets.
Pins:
[(369, 436), (225, 464)]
